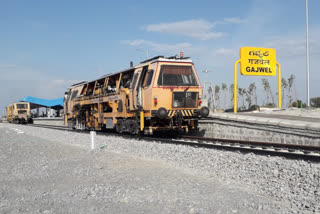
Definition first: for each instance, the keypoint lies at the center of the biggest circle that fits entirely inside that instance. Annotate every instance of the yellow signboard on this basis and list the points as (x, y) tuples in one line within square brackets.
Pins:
[(258, 61)]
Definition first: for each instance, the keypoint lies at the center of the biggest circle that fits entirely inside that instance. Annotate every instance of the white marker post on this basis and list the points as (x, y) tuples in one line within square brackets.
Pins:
[(93, 139)]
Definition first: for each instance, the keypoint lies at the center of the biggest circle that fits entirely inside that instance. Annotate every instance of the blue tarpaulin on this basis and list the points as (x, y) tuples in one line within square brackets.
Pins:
[(54, 103)]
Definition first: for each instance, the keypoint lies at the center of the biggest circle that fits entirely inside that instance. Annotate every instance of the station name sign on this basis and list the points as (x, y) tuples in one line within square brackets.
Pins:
[(258, 61)]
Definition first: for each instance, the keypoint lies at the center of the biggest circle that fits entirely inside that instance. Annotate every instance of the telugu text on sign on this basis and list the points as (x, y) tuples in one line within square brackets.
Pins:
[(257, 61)]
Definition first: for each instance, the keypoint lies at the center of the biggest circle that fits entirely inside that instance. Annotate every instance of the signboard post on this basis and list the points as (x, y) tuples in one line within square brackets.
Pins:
[(257, 62)]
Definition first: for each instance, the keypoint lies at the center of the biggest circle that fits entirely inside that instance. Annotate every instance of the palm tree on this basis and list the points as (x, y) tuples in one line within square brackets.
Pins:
[(284, 86), (217, 94), (242, 92), (231, 90), (210, 98), (266, 85), (251, 94), (224, 91), (268, 90), (290, 86)]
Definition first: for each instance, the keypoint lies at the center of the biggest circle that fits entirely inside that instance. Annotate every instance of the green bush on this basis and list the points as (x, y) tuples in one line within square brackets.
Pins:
[(298, 104), (315, 102), (270, 105), (254, 107)]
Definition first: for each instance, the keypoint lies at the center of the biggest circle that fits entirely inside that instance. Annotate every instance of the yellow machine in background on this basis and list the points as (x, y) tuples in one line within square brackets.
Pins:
[(19, 113), (161, 93)]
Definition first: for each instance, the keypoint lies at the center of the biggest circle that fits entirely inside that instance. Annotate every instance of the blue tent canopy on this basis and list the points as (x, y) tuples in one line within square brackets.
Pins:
[(38, 102)]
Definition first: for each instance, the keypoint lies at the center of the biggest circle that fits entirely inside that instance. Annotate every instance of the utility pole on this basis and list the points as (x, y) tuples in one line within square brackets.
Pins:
[(209, 83), (307, 43), (209, 95)]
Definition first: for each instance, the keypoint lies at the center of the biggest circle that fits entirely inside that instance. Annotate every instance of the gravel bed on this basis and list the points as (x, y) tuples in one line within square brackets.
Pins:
[(293, 182)]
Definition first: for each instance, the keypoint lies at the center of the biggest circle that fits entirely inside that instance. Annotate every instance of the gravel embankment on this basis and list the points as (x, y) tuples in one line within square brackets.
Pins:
[(295, 183)]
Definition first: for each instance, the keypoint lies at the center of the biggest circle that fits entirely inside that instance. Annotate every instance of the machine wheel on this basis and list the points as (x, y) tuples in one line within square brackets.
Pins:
[(133, 127), (119, 126), (22, 121)]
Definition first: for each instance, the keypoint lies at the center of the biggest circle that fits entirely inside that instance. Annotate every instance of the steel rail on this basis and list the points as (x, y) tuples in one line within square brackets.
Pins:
[(275, 148), (264, 148), (291, 146)]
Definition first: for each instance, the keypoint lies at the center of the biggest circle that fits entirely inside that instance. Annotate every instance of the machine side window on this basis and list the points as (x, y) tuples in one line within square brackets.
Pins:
[(135, 77), (89, 90), (126, 79), (148, 79), (112, 84), (74, 94)]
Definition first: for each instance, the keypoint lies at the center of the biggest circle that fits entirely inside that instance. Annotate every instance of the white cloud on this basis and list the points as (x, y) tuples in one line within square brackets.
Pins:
[(225, 52), (197, 29), (161, 47), (134, 42), (233, 20), (6, 66)]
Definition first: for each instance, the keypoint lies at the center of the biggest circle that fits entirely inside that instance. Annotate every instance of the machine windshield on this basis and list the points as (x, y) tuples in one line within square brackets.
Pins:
[(173, 75), (22, 106)]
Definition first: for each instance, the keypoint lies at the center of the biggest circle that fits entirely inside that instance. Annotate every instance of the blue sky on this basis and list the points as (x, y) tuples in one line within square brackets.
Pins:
[(48, 45)]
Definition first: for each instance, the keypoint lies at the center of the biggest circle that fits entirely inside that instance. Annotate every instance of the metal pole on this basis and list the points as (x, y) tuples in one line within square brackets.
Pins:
[(279, 86), (308, 77), (235, 87)]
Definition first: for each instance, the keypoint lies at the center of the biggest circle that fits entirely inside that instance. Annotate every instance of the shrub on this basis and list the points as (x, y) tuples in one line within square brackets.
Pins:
[(298, 104), (315, 102), (270, 105), (254, 107)]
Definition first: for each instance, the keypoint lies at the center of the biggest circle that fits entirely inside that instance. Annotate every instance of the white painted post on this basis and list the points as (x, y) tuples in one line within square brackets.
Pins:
[(93, 139)]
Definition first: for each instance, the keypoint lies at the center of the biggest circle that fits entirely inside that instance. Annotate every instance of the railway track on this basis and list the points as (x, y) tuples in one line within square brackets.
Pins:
[(262, 127), (289, 150), (264, 148)]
